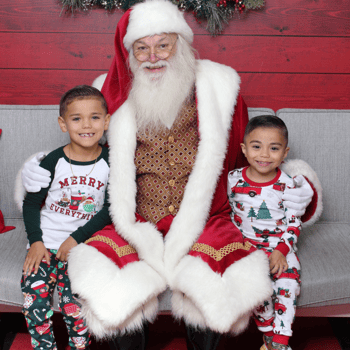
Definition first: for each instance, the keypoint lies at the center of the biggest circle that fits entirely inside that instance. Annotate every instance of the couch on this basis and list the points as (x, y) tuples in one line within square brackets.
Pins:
[(320, 137)]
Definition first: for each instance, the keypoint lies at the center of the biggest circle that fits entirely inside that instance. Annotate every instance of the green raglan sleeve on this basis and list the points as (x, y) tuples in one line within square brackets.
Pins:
[(34, 201)]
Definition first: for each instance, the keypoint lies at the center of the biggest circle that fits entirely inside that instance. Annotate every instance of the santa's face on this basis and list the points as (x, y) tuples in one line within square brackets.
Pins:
[(162, 84), (153, 52)]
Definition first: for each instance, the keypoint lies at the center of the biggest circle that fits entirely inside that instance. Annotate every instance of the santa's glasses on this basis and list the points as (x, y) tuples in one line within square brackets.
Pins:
[(161, 50)]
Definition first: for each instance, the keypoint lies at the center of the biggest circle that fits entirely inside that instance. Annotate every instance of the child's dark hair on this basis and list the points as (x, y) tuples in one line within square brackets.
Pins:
[(266, 121), (79, 93)]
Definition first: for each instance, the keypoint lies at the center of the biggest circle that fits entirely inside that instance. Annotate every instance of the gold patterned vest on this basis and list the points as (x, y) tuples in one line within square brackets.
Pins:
[(164, 163)]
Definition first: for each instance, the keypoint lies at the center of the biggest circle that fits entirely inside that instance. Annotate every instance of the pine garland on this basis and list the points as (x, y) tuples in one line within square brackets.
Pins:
[(217, 13)]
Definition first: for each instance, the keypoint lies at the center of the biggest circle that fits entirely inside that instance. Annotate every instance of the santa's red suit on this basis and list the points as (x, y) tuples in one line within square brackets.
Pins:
[(216, 278)]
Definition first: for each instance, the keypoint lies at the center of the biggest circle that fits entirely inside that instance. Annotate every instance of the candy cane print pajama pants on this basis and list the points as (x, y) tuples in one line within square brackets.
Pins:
[(37, 291)]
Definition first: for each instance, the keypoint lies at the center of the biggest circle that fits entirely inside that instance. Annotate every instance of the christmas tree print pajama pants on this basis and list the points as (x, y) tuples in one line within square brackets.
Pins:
[(38, 290), (278, 312)]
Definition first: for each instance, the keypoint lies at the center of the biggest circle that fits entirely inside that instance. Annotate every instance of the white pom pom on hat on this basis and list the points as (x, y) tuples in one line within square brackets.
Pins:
[(155, 17)]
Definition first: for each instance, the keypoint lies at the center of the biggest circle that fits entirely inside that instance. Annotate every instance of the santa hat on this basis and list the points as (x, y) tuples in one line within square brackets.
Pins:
[(156, 17), (4, 228), (144, 19)]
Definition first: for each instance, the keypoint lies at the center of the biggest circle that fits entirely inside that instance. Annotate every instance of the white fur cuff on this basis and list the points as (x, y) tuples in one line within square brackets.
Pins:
[(113, 300), (222, 303)]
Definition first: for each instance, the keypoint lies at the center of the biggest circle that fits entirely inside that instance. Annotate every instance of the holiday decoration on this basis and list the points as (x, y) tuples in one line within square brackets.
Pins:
[(215, 12), (263, 212), (4, 228), (251, 214)]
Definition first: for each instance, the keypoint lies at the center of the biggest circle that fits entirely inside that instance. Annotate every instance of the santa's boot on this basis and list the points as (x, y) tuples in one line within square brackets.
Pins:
[(130, 341), (202, 339)]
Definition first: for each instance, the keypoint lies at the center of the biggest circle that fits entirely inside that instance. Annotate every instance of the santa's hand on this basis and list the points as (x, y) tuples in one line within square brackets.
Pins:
[(298, 198), (34, 177)]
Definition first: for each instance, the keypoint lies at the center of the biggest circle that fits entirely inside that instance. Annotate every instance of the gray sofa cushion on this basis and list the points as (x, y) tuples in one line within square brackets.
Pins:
[(12, 254), (325, 262), (25, 131), (321, 138)]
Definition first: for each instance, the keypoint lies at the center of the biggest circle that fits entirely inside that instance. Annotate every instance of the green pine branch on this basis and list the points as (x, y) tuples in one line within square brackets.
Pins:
[(217, 13)]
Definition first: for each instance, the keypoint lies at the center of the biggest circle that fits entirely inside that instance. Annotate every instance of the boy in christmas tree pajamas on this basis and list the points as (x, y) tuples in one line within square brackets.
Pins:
[(77, 191), (255, 194)]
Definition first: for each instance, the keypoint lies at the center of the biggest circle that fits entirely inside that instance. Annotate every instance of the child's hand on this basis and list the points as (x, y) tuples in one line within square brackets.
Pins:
[(278, 263), (34, 257), (65, 247)]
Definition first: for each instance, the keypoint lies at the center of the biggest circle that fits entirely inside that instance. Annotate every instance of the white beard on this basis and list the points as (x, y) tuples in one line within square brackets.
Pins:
[(158, 97)]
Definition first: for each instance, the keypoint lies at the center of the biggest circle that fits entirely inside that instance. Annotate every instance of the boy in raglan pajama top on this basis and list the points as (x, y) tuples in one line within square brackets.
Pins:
[(259, 212), (70, 203), (255, 195), (76, 194)]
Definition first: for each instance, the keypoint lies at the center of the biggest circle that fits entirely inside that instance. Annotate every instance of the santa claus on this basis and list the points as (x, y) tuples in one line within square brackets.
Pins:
[(174, 135)]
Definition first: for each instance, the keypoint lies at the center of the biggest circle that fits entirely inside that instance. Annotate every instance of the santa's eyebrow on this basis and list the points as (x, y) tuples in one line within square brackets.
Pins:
[(140, 41)]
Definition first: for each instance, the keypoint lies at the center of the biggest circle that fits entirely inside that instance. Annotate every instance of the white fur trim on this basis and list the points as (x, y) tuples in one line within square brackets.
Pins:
[(122, 190), (156, 17), (217, 90), (221, 302), (116, 300), (98, 82), (296, 167), (107, 330)]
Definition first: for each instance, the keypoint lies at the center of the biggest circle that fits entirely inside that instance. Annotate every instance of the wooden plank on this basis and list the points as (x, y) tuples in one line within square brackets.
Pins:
[(95, 51), (44, 87), (329, 91), (277, 54), (259, 90), (56, 51), (295, 17), (47, 16), (287, 17)]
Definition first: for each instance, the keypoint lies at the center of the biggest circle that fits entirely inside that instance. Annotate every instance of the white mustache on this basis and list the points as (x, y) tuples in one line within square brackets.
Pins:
[(158, 64)]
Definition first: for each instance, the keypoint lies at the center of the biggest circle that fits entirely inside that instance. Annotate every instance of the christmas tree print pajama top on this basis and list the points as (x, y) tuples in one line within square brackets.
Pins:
[(259, 212)]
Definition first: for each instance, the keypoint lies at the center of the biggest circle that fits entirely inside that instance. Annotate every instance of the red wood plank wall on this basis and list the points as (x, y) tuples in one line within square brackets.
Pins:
[(293, 53)]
